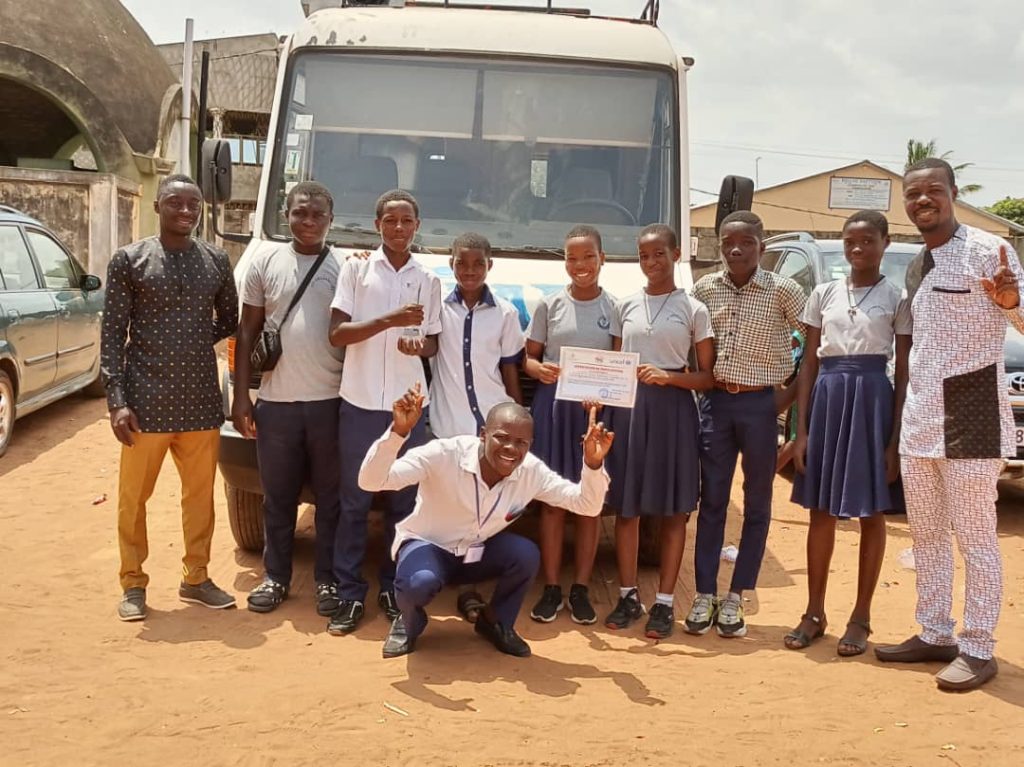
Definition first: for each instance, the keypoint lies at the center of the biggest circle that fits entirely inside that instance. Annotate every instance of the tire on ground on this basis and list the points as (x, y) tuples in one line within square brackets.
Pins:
[(649, 554), (8, 413), (245, 515)]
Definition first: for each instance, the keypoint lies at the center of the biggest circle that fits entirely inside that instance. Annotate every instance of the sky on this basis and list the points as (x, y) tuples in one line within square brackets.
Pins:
[(784, 89)]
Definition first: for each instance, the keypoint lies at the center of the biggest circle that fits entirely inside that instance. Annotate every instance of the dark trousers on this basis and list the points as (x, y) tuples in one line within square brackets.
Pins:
[(424, 569), (732, 424), (357, 430), (296, 440)]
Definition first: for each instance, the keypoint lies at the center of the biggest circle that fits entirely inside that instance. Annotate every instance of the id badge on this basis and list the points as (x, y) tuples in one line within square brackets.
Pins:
[(474, 554)]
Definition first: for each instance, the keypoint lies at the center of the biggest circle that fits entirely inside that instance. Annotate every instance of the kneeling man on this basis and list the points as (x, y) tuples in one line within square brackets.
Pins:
[(470, 490)]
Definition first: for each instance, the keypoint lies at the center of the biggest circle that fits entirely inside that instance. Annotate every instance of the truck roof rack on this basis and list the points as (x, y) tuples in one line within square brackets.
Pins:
[(649, 14)]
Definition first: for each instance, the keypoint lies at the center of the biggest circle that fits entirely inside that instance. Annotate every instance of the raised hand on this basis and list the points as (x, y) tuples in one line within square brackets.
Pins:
[(596, 442), (406, 411), (406, 316), (1003, 288)]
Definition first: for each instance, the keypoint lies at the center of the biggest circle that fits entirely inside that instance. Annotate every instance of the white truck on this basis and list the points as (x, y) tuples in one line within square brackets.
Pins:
[(514, 123)]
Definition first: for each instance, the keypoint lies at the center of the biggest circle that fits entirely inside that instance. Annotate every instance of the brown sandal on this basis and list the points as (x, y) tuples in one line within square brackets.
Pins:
[(859, 645), (800, 640)]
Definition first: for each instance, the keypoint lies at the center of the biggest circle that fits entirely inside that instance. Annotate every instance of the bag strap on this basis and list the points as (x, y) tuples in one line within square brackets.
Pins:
[(305, 283)]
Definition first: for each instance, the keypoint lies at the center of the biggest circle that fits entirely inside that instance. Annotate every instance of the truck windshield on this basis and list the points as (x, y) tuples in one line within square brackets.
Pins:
[(517, 151)]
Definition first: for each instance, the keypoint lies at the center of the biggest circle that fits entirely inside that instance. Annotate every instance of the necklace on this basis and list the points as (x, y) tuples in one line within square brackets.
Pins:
[(647, 311), (852, 311)]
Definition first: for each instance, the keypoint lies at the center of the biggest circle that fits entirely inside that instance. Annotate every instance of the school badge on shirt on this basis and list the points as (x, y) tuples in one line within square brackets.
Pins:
[(514, 514)]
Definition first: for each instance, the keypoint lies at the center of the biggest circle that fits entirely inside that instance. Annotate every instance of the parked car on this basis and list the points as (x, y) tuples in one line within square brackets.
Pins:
[(50, 313), (802, 258)]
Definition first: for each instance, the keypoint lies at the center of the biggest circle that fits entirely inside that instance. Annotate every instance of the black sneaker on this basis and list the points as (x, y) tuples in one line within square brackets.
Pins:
[(327, 599), (504, 639), (660, 622), (267, 596), (580, 609), (549, 604), (398, 642), (387, 603), (626, 611), (346, 617)]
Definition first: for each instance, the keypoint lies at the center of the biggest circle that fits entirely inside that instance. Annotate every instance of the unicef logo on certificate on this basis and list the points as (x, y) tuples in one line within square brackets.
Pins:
[(604, 393)]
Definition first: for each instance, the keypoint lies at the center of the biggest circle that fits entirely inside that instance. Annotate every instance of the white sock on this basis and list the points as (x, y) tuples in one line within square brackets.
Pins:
[(624, 591), (664, 599), (734, 596)]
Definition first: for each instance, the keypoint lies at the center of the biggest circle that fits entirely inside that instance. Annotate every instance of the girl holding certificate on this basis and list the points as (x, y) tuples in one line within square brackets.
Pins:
[(655, 470), (583, 314)]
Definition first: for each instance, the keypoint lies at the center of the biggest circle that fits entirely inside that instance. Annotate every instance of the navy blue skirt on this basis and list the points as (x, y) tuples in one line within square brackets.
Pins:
[(558, 429), (654, 463), (849, 426)]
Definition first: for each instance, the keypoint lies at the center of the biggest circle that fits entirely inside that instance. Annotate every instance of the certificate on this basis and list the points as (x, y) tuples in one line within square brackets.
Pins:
[(609, 377)]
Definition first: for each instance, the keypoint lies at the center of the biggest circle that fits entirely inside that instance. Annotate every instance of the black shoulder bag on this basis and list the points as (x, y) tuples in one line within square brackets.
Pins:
[(266, 351)]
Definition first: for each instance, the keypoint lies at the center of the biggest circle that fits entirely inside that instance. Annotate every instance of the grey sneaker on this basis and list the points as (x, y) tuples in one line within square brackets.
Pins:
[(702, 614), (730, 618), (207, 594), (133, 605)]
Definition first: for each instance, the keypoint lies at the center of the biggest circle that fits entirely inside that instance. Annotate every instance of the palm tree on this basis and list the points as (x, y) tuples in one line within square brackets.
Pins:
[(920, 150)]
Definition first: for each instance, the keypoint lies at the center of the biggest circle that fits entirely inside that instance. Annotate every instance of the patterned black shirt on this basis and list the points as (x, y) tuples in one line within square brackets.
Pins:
[(164, 312)]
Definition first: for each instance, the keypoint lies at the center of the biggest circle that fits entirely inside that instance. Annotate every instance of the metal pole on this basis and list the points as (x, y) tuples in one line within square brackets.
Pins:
[(684, 157), (185, 122), (204, 84), (757, 173)]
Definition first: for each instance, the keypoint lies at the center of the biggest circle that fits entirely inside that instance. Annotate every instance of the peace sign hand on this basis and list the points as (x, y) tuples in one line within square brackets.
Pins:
[(596, 442), (1003, 288), (407, 411)]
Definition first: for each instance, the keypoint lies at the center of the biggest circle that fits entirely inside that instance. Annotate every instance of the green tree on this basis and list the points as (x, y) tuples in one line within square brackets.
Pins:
[(920, 150), (1011, 208)]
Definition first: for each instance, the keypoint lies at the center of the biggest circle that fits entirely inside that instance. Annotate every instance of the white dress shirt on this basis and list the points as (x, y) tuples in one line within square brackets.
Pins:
[(454, 507), (474, 343), (376, 373)]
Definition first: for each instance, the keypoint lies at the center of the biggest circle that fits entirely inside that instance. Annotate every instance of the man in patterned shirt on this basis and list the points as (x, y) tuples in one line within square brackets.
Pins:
[(753, 313), (169, 299), (957, 425)]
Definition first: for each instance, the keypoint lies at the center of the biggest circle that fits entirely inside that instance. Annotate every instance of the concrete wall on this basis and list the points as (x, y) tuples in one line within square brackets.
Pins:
[(92, 213)]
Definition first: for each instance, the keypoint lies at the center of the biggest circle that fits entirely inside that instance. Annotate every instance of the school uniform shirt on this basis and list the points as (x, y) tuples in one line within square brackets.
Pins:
[(753, 325), (858, 320), (375, 372), (560, 320), (454, 507), (163, 313), (310, 368), (957, 404), (663, 329), (474, 343)]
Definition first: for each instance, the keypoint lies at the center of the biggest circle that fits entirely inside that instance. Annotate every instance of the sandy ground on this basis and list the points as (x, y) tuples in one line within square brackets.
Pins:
[(191, 685)]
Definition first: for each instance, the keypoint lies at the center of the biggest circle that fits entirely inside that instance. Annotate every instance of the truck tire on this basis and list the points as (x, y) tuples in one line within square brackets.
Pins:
[(245, 514), (649, 554)]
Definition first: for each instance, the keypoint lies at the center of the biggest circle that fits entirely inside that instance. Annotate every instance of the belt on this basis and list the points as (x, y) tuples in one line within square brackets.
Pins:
[(735, 388)]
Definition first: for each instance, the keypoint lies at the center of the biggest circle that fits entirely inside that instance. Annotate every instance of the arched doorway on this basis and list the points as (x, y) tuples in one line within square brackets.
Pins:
[(37, 132)]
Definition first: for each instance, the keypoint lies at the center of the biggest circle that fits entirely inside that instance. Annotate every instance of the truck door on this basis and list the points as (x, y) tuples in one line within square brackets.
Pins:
[(29, 315)]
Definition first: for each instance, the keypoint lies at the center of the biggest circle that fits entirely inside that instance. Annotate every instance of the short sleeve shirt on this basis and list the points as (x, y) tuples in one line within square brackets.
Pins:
[(663, 329), (863, 321), (375, 372), (560, 320), (310, 368)]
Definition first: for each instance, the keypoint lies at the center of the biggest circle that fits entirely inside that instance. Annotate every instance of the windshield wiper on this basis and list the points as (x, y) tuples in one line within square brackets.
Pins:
[(529, 250)]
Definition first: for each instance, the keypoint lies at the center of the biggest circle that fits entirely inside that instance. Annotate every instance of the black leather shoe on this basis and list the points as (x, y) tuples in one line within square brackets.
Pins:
[(504, 639), (398, 642)]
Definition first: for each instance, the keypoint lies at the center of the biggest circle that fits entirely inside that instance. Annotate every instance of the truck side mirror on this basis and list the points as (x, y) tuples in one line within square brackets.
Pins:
[(737, 193), (216, 171)]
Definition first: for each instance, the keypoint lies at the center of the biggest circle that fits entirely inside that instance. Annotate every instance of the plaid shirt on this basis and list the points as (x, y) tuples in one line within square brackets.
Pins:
[(753, 326)]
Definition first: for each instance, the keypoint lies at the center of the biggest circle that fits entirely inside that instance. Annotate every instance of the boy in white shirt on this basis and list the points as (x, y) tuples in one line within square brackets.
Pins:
[(386, 313)]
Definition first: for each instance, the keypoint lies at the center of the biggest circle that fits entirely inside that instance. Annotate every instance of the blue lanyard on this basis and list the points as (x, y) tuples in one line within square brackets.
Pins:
[(476, 487)]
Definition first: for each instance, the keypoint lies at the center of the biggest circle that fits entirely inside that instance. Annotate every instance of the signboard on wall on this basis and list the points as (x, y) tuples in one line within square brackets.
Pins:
[(849, 193)]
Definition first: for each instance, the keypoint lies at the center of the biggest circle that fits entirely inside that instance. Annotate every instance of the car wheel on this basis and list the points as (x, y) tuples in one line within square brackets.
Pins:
[(7, 411), (649, 553), (245, 515)]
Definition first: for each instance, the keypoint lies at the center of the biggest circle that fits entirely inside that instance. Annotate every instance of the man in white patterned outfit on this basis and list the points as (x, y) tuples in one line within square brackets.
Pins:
[(957, 425)]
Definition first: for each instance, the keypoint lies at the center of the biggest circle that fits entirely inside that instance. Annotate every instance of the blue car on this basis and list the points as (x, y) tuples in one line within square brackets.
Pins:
[(50, 314)]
